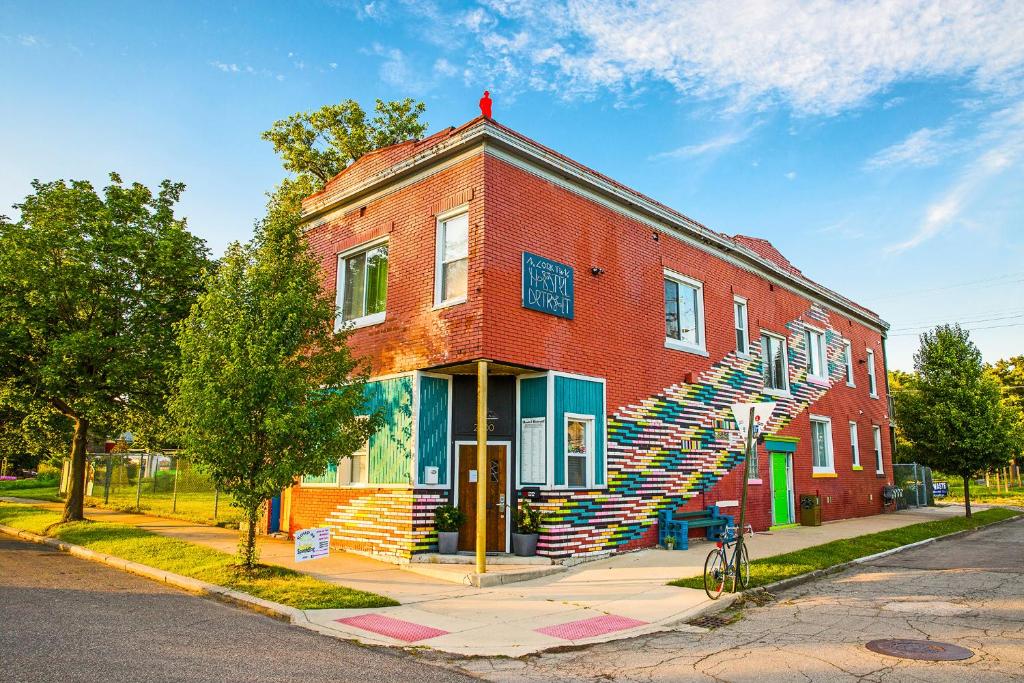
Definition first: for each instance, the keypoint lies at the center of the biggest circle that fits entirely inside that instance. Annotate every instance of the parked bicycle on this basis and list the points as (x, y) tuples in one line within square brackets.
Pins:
[(727, 563)]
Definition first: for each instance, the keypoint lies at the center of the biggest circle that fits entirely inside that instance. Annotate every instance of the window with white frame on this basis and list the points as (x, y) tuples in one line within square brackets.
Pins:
[(854, 445), (362, 285), (872, 388), (351, 471), (821, 445), (739, 308), (755, 469), (579, 449), (848, 359), (684, 313), (876, 436), (774, 362), (817, 360), (451, 279)]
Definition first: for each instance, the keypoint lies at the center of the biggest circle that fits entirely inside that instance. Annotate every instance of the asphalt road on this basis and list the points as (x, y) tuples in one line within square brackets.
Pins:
[(967, 590), (67, 619)]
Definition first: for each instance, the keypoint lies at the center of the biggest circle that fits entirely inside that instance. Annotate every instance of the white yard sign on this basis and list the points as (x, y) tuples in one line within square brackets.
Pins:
[(762, 413), (311, 544)]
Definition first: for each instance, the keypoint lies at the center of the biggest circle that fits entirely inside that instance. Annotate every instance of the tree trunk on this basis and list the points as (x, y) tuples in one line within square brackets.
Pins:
[(247, 547), (74, 506), (967, 494)]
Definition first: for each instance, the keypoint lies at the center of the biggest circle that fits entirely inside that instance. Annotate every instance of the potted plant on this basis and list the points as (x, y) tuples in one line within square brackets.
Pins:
[(447, 520), (670, 543), (528, 521)]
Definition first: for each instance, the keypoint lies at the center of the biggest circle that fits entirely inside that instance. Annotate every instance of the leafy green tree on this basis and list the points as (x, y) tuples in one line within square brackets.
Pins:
[(1009, 372), (267, 391), (900, 381), (951, 411), (317, 145), (91, 286)]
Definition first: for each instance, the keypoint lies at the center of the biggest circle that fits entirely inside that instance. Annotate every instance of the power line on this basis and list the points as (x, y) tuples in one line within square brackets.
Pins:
[(985, 282), (969, 329), (967, 317), (959, 322)]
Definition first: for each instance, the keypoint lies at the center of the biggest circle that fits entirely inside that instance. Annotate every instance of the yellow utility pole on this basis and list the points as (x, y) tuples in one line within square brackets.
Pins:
[(481, 466)]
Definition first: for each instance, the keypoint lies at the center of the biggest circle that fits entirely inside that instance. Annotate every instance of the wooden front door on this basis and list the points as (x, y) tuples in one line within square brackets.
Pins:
[(494, 478)]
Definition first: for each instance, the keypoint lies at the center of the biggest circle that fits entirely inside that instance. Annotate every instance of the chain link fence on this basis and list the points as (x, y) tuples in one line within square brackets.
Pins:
[(916, 482), (158, 483)]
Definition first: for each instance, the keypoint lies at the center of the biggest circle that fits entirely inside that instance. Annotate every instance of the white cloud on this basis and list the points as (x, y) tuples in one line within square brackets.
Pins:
[(1000, 146), (443, 67), (791, 175), (233, 68), (817, 57), (28, 40), (713, 145), (924, 147), (226, 68)]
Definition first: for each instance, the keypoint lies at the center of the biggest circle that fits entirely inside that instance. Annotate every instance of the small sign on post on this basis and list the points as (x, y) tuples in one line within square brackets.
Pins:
[(311, 544), (762, 413), (940, 489)]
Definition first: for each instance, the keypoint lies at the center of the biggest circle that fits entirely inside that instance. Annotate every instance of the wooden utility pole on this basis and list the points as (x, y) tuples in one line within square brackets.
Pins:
[(481, 466)]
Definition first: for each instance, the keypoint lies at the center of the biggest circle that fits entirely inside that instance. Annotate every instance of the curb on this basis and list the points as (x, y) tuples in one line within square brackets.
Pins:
[(266, 607)]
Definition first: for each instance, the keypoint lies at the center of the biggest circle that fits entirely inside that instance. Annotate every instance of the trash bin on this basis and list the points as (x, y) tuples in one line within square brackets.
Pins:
[(810, 509)]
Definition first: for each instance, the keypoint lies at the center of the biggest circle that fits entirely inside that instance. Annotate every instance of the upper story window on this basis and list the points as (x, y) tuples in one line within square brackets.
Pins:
[(684, 313), (872, 385), (362, 285), (451, 277), (579, 448), (774, 362), (739, 310), (822, 461), (848, 360), (817, 360)]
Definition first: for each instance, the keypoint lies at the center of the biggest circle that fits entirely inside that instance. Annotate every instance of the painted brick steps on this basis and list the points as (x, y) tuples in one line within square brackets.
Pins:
[(465, 574), (470, 558)]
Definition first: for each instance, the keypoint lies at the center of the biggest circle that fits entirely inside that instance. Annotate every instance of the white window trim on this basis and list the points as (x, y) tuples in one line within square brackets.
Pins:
[(822, 378), (701, 348), (872, 377), (439, 221), (855, 443), (829, 450), (850, 375), (876, 442), (590, 422), (339, 298), (785, 360), (736, 299)]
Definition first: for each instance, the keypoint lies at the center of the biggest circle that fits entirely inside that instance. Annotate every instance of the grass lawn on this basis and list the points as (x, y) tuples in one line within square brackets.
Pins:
[(770, 569), (988, 495), (40, 489), (278, 584)]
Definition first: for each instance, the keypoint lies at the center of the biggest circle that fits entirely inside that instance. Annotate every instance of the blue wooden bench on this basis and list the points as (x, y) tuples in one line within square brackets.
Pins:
[(678, 525)]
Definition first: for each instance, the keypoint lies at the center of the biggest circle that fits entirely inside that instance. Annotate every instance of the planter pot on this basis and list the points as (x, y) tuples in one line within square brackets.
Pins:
[(447, 542), (525, 545)]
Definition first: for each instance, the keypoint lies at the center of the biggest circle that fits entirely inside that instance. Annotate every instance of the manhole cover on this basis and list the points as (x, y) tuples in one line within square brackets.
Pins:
[(928, 650), (710, 622)]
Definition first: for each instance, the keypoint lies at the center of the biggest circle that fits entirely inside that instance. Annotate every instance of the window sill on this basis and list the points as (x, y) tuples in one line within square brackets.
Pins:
[(872, 395), (820, 381), (680, 346), (824, 475), (356, 323), (776, 392), (755, 482), (858, 468), (449, 303), (745, 355), (851, 385)]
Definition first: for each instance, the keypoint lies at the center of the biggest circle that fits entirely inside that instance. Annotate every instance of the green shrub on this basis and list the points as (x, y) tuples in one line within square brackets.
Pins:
[(448, 518), (528, 519)]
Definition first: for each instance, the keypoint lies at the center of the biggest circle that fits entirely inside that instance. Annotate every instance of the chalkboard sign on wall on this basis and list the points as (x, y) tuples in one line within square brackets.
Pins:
[(547, 286)]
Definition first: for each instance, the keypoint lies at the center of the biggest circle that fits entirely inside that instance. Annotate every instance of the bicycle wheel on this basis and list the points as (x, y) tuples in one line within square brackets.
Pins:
[(743, 567), (714, 573)]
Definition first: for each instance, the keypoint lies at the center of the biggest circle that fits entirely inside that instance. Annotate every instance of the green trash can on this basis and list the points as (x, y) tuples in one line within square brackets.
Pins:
[(810, 509)]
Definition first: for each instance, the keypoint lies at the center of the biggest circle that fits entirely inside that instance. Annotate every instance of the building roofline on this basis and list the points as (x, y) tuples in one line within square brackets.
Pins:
[(511, 145)]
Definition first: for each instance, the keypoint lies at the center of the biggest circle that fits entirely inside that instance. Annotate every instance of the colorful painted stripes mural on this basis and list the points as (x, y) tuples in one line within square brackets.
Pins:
[(670, 447)]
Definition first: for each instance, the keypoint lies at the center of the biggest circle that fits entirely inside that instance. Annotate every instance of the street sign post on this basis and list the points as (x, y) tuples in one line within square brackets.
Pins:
[(752, 418)]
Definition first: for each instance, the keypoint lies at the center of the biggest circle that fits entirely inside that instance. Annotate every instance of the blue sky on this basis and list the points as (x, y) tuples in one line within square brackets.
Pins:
[(879, 145)]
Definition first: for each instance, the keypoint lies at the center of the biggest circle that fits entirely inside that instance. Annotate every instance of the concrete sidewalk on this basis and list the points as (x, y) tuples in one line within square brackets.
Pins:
[(618, 597)]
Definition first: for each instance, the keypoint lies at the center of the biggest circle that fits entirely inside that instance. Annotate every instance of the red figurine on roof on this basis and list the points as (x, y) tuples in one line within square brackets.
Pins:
[(485, 104)]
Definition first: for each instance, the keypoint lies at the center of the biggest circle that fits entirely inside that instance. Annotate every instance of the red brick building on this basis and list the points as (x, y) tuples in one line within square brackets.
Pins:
[(618, 333)]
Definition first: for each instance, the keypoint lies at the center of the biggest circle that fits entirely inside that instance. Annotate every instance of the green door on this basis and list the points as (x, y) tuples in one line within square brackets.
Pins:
[(780, 488)]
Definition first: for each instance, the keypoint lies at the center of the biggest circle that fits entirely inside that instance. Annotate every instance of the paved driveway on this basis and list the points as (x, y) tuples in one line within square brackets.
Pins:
[(968, 591), (66, 619)]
